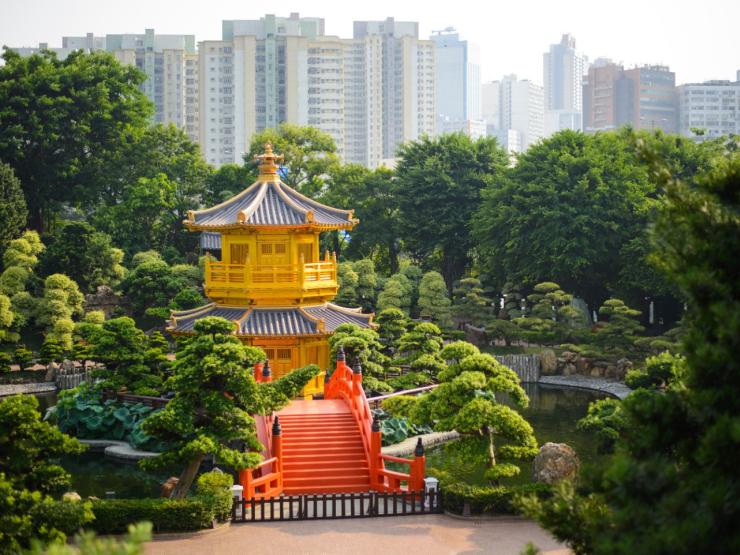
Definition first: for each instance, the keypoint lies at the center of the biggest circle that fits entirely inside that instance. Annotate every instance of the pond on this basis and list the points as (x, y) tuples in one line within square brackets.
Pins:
[(553, 413)]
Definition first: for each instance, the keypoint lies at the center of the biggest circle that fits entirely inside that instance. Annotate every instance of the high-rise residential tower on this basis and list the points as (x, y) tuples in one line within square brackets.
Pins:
[(515, 112), (563, 70), (457, 81)]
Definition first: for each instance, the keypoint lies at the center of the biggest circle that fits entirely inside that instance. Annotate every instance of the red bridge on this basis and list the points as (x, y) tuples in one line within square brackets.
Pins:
[(328, 446)]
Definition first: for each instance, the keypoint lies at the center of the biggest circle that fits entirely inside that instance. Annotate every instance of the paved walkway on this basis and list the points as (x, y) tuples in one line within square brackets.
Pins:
[(612, 387), (431, 535)]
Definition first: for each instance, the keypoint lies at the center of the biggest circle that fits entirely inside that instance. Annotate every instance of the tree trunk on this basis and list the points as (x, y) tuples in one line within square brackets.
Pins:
[(393, 256), (491, 450), (186, 478)]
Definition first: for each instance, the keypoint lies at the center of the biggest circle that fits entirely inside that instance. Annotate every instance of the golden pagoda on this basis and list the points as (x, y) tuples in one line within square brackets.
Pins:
[(271, 280)]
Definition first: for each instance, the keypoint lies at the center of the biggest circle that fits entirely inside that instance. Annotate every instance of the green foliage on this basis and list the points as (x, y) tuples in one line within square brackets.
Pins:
[(61, 302), (7, 317), (428, 364), (434, 302), (530, 225), (131, 359), (359, 344), (396, 294), (28, 447), (399, 406), (618, 334), (51, 351), (13, 210), (373, 196), (86, 102), (392, 324), (347, 279), (469, 302), (410, 380), (366, 282), (22, 356), (571, 518), (159, 176), (215, 398), (505, 330), (217, 486), (423, 338), (5, 361), (19, 259), (112, 516), (371, 384), (309, 153), (659, 372), (606, 420), (487, 499), (155, 287), (27, 516), (87, 544), (83, 254), (82, 413), (225, 182), (439, 184), (670, 487)]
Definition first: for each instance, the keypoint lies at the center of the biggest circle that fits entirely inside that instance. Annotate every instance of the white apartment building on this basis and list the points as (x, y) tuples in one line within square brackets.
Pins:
[(521, 108), (712, 106), (370, 93), (563, 71)]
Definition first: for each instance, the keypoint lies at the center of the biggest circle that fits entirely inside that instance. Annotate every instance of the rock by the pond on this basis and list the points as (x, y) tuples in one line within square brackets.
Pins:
[(72, 496), (555, 462), (168, 486), (51, 372), (548, 361)]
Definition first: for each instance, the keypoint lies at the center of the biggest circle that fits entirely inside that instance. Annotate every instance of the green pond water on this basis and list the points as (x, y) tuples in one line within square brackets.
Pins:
[(553, 413)]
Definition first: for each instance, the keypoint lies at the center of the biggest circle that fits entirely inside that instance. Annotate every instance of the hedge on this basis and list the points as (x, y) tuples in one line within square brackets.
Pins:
[(488, 499), (212, 502)]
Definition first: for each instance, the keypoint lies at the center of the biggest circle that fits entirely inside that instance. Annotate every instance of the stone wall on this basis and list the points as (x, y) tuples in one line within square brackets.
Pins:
[(570, 363)]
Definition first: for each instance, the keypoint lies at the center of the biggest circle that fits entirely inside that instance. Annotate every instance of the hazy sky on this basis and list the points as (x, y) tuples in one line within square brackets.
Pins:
[(699, 40)]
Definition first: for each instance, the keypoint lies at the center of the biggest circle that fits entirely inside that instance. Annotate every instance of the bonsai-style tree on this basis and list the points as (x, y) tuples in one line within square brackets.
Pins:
[(423, 338), (551, 314), (469, 302), (61, 301), (619, 333), (215, 398), (468, 403), (359, 344), (347, 279), (392, 324), (396, 293), (132, 360), (434, 300), (28, 475), (29, 447)]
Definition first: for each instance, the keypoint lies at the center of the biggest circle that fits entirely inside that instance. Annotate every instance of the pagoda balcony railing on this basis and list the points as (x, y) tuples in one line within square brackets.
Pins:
[(311, 275)]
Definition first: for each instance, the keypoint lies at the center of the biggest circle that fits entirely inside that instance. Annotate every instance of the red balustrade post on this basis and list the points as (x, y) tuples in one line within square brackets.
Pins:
[(245, 479), (418, 468), (376, 461), (356, 378), (277, 449), (258, 372)]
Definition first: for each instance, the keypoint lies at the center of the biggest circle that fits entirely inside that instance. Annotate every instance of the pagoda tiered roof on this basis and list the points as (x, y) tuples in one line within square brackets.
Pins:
[(305, 321), (269, 203)]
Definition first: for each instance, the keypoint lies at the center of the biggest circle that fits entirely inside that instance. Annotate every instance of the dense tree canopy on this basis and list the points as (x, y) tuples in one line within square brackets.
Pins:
[(61, 122), (13, 209), (439, 187), (83, 254), (309, 155)]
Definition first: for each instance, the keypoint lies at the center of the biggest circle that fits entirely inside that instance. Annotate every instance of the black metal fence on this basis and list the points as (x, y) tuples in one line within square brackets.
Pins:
[(336, 505)]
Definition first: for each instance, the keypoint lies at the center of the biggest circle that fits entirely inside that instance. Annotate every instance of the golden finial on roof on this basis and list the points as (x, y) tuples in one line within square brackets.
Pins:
[(269, 163)]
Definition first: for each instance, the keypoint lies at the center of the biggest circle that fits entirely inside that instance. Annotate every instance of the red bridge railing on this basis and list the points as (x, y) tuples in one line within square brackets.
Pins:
[(346, 384)]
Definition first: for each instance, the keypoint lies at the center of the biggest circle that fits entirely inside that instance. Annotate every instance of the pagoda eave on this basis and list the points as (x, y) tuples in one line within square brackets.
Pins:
[(307, 227)]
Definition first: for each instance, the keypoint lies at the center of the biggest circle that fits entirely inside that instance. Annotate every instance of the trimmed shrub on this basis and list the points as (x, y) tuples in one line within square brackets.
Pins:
[(488, 499), (217, 487), (412, 380), (112, 516)]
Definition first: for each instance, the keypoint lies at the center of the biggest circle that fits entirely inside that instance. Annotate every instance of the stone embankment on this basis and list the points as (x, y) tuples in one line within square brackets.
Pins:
[(611, 387), (31, 388)]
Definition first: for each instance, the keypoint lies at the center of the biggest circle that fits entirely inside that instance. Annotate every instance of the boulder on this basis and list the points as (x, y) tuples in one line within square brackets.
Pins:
[(168, 486), (555, 462), (548, 362), (623, 366), (51, 372), (72, 496), (569, 369), (104, 299)]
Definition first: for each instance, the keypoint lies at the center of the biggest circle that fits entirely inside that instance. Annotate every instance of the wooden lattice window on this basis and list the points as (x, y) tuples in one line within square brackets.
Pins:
[(284, 354), (266, 248), (239, 253)]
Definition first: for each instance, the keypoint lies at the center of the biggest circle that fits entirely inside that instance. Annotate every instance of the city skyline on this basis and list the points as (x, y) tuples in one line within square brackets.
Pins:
[(697, 48)]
